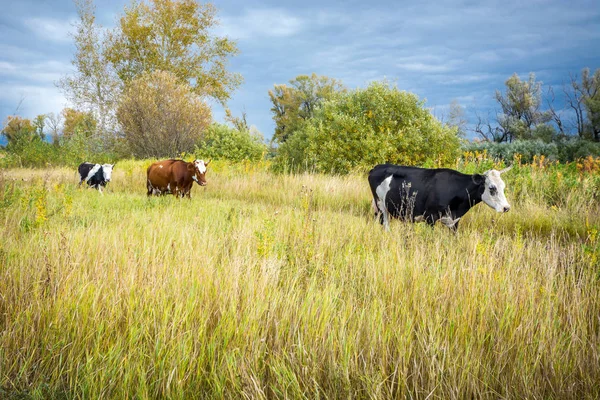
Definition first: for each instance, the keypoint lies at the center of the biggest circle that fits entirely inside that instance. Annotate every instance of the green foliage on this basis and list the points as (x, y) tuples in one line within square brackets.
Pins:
[(369, 126), (78, 123), (68, 151), (295, 104), (563, 150), (521, 108), (18, 130), (222, 142), (590, 88), (174, 36)]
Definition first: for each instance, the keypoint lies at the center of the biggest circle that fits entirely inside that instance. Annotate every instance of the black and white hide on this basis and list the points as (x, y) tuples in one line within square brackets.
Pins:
[(420, 194), (95, 175)]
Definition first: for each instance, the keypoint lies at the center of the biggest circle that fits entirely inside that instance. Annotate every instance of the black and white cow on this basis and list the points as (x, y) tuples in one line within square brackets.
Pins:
[(95, 175), (420, 194)]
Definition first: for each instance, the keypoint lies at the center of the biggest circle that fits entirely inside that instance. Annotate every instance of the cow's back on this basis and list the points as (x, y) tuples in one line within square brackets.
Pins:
[(159, 174), (84, 169)]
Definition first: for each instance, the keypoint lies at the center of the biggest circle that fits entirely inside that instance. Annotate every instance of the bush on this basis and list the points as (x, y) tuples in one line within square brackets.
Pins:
[(221, 142), (161, 117), (69, 151), (359, 129), (563, 150)]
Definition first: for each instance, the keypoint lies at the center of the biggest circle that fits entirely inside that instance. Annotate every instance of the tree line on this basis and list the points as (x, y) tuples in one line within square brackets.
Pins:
[(142, 89)]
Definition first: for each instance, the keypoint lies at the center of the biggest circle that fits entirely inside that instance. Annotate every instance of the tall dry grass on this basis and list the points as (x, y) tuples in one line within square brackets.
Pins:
[(283, 286)]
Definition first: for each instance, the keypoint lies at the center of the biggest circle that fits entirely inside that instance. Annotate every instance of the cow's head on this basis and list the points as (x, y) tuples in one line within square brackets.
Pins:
[(493, 194), (107, 171), (198, 168)]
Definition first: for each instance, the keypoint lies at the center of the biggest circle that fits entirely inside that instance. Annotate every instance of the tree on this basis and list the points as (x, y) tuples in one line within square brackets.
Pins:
[(296, 103), (54, 121), (161, 117), (457, 118), (174, 36), (520, 107), (17, 129), (78, 123), (368, 126), (94, 87), (590, 92)]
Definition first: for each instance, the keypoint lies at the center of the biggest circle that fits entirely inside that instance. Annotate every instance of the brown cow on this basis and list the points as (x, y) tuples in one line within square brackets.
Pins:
[(175, 177)]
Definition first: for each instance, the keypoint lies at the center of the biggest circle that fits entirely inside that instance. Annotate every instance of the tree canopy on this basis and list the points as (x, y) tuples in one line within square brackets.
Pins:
[(296, 103), (174, 36)]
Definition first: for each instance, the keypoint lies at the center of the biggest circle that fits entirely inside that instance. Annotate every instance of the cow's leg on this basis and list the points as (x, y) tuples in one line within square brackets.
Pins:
[(451, 223), (382, 191)]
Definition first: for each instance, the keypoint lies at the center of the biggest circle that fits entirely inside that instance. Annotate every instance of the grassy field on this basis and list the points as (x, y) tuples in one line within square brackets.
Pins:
[(284, 286)]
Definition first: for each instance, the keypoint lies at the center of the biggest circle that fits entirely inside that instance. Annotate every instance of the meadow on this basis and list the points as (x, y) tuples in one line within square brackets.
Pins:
[(284, 286)]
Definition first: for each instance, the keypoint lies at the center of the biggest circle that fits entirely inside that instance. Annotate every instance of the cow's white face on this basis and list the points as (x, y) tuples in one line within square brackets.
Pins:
[(493, 195), (200, 172), (107, 171)]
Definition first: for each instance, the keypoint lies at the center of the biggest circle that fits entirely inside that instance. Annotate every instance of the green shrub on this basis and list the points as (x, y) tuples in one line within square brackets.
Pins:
[(221, 142), (359, 129), (69, 151)]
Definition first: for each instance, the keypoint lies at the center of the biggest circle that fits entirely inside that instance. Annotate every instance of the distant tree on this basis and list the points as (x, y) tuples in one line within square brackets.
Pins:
[(39, 123), (94, 87), (240, 123), (457, 117), (54, 122), (296, 103), (175, 36), (556, 115), (590, 92), (521, 107), (77, 122), (17, 129), (520, 112), (161, 117)]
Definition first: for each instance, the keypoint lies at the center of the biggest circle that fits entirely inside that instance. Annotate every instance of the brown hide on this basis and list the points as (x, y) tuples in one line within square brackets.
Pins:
[(173, 176)]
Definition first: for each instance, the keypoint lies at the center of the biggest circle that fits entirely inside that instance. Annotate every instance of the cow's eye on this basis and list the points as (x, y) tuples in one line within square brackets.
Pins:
[(493, 190)]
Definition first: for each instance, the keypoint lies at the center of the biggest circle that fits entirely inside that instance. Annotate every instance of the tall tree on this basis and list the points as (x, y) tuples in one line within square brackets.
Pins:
[(296, 103), (174, 36), (521, 107), (78, 123), (590, 91), (94, 87), (54, 122), (457, 117)]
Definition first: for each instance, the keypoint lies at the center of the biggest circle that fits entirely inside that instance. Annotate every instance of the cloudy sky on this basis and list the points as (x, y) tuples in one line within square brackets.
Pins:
[(440, 50)]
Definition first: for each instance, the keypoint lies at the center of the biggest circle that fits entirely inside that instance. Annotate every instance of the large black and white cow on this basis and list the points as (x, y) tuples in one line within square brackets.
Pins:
[(95, 175), (421, 194)]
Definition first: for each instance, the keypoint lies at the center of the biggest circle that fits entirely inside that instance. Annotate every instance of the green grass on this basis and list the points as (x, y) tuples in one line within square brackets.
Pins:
[(284, 286)]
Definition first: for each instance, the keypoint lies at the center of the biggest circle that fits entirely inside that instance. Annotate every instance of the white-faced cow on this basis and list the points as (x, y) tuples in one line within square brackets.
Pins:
[(420, 194), (175, 177), (95, 175)]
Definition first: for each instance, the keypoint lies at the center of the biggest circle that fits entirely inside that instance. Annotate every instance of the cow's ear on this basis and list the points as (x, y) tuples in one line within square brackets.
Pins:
[(478, 179), (206, 163)]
